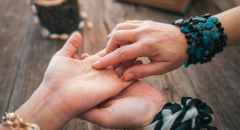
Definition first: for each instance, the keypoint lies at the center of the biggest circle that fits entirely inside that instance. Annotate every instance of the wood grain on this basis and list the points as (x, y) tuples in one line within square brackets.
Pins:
[(179, 6), (25, 55)]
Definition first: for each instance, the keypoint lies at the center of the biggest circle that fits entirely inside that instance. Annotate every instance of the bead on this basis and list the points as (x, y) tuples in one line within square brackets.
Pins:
[(191, 19), (209, 25), (179, 22), (64, 36), (195, 29), (218, 49), (199, 53), (184, 29), (205, 60), (195, 62), (185, 23), (212, 45), (224, 37), (200, 34), (220, 29), (217, 42), (191, 50), (206, 53), (202, 19), (200, 26), (214, 34), (190, 25), (206, 34), (198, 43), (223, 44), (189, 41), (173, 22), (186, 65), (206, 15), (189, 62), (45, 33), (188, 36), (213, 19), (194, 36), (206, 43), (209, 59), (194, 19), (218, 24)]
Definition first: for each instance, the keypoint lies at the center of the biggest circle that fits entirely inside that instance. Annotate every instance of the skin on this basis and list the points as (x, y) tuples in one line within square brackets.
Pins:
[(73, 87), (163, 44)]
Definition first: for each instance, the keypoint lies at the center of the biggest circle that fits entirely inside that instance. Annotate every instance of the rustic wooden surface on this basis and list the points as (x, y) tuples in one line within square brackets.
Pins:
[(24, 57)]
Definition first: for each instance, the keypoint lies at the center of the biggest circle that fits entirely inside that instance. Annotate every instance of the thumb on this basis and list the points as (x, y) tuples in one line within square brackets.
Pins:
[(72, 45), (144, 70)]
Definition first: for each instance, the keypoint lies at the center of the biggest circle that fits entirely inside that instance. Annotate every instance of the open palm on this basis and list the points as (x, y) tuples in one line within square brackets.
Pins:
[(76, 84), (133, 108)]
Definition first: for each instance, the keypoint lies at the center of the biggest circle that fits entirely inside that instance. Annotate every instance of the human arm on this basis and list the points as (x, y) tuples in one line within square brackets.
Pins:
[(70, 86), (133, 108), (163, 44)]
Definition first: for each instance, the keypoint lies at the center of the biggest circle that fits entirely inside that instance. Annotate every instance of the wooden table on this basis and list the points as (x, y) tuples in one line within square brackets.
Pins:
[(24, 57)]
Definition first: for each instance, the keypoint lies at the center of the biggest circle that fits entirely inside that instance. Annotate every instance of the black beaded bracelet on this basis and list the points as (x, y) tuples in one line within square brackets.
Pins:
[(206, 44), (191, 114)]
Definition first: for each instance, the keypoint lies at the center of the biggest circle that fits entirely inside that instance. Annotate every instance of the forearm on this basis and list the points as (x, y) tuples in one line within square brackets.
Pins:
[(42, 109), (230, 20)]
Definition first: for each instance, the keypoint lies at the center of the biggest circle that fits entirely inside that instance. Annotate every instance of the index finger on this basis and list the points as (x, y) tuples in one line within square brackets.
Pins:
[(121, 54)]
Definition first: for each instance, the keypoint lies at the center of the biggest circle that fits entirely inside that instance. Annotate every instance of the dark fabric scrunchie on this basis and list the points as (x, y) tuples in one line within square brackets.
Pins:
[(193, 114)]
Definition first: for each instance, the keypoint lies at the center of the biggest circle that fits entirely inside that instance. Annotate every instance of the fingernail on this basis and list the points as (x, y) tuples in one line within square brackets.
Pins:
[(96, 64), (129, 77)]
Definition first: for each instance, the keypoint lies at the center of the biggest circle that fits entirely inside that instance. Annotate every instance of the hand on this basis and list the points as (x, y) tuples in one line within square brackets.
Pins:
[(134, 108), (163, 44), (70, 87)]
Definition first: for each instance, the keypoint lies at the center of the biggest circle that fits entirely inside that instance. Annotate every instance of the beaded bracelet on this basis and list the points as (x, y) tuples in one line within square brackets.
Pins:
[(15, 122), (206, 44), (190, 114)]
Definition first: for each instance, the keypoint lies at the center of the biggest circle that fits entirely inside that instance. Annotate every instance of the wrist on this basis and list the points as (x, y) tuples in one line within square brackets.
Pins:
[(44, 109)]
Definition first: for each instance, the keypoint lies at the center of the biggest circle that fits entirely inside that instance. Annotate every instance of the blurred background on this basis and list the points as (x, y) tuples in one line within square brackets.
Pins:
[(25, 54)]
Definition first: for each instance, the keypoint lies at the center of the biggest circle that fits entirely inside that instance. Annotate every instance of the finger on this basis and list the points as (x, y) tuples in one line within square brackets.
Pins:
[(97, 56), (116, 65), (84, 55), (121, 37), (145, 70), (102, 53), (119, 55), (72, 45), (124, 26), (103, 117), (134, 21), (75, 57), (124, 66)]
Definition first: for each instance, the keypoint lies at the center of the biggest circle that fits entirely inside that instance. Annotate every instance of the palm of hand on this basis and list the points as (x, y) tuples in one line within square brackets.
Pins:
[(134, 108), (68, 77)]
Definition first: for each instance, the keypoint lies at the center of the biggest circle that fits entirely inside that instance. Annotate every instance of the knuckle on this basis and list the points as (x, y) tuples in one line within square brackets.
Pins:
[(119, 26), (121, 52), (161, 71), (115, 35), (142, 73)]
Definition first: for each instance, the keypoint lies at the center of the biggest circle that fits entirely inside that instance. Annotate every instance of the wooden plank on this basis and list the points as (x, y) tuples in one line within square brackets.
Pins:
[(179, 6), (224, 5), (13, 27)]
